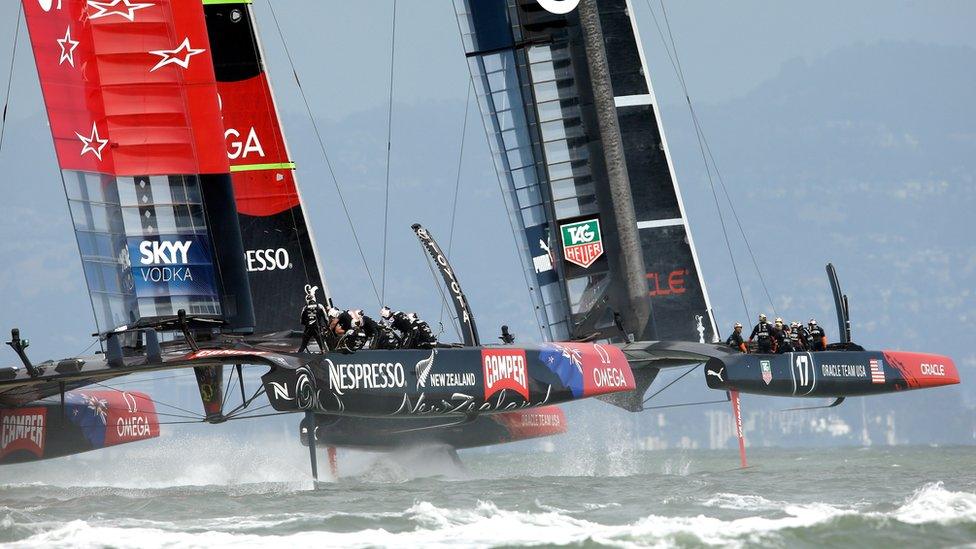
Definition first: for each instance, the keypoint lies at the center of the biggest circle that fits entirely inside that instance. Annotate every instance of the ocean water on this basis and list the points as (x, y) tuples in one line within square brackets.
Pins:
[(252, 495)]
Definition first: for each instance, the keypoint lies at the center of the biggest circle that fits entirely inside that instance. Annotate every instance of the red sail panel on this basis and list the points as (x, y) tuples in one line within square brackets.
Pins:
[(129, 86), (264, 183)]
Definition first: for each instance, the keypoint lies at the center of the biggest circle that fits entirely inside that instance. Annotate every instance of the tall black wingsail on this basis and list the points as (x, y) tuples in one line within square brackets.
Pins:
[(279, 251), (534, 86)]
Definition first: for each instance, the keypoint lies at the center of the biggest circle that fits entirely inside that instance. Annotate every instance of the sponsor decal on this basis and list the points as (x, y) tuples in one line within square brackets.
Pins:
[(675, 282), (171, 265), (767, 371), (543, 258), (46, 4), (932, 369), (559, 7), (582, 242), (22, 430), (179, 56), (700, 328), (462, 403), (588, 369), (267, 260), (719, 374), (376, 375), (843, 370), (450, 279), (505, 369), (134, 422), (237, 149), (453, 379), (541, 420), (877, 371)]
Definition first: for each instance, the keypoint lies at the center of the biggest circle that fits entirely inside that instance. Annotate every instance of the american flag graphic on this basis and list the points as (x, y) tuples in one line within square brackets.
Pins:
[(877, 371)]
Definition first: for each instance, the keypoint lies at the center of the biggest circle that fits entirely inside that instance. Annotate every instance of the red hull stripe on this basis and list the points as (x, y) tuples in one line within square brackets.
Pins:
[(923, 370)]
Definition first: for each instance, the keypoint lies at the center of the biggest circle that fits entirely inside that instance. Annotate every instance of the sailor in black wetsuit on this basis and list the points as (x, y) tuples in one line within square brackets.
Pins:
[(313, 320), (795, 337), (781, 335), (414, 333), (352, 327), (735, 340), (818, 335), (763, 334)]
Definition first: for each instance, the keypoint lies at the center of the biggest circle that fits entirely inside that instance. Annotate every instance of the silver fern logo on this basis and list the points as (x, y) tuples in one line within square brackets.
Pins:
[(559, 7)]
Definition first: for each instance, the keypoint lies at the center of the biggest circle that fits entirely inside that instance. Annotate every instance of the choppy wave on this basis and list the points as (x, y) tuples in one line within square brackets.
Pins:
[(933, 503), (486, 524), (156, 501)]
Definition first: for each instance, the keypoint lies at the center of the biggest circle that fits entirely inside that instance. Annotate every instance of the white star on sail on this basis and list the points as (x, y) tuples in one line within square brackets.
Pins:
[(109, 8), (180, 56), (67, 48), (94, 138)]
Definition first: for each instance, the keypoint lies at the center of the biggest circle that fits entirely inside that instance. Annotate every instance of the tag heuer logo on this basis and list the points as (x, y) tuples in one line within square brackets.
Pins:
[(767, 372), (582, 243)]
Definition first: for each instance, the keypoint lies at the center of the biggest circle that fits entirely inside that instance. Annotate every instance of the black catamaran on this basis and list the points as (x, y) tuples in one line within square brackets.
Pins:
[(198, 254)]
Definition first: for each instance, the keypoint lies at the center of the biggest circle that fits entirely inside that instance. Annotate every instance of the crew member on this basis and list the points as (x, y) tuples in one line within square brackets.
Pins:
[(762, 333), (414, 332), (818, 336), (795, 338), (313, 320), (781, 337), (735, 340)]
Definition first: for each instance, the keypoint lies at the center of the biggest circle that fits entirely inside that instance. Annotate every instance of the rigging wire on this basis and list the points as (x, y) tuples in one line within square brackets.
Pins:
[(150, 399), (325, 154), (511, 221), (457, 181), (444, 299), (389, 150), (676, 64), (673, 381), (10, 75)]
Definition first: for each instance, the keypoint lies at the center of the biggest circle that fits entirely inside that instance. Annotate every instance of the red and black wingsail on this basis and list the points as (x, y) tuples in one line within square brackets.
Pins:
[(279, 250), (133, 106)]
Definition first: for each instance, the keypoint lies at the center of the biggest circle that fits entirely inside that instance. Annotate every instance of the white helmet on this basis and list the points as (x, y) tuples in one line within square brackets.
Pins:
[(813, 322), (386, 313), (333, 312)]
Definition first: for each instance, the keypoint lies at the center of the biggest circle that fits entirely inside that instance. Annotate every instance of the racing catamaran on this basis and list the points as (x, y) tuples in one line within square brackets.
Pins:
[(197, 252)]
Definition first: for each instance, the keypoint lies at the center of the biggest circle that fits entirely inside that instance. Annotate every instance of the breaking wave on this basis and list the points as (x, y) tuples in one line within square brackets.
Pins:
[(933, 503)]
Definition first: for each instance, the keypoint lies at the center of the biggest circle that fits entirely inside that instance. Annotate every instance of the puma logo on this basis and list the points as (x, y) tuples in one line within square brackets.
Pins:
[(717, 374)]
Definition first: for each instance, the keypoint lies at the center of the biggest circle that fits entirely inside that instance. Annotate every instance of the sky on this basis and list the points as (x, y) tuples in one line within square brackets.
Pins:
[(780, 86)]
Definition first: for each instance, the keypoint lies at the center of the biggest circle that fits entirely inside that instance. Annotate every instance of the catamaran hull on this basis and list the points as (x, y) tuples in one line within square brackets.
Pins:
[(90, 420), (388, 434), (830, 373), (450, 381)]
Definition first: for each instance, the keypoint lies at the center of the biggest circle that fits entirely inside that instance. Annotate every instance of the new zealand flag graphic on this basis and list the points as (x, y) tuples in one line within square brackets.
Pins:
[(91, 414), (566, 364)]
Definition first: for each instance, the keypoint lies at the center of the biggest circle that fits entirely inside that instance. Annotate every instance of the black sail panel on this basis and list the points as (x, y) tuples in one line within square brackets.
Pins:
[(533, 79), (279, 251)]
